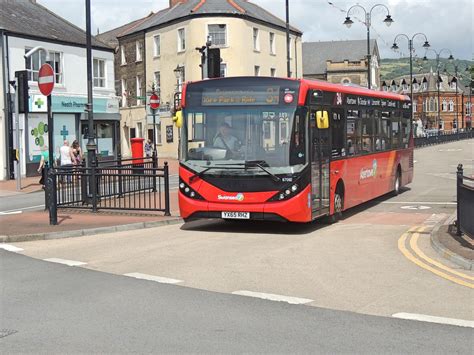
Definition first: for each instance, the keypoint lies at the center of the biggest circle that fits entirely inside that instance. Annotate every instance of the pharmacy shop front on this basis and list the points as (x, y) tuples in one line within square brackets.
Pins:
[(70, 123)]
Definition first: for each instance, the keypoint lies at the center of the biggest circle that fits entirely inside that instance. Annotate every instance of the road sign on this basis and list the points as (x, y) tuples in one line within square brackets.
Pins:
[(154, 101), (46, 79)]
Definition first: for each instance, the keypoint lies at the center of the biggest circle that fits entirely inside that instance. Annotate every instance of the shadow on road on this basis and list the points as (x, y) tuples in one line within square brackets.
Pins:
[(267, 227)]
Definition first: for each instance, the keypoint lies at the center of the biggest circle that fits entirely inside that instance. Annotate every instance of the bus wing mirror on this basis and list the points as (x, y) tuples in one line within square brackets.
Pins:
[(322, 119), (178, 119)]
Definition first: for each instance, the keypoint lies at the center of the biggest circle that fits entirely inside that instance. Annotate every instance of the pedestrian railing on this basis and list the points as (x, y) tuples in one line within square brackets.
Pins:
[(465, 204), (132, 184), (442, 138)]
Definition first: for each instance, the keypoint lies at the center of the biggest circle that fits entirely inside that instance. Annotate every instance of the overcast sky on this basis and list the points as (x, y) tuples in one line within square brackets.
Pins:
[(446, 23)]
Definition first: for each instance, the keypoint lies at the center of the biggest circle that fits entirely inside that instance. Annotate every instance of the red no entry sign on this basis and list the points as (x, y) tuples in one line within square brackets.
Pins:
[(154, 101), (46, 79)]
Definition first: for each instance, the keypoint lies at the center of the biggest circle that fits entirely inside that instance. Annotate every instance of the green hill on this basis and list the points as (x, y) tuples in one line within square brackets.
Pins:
[(392, 68)]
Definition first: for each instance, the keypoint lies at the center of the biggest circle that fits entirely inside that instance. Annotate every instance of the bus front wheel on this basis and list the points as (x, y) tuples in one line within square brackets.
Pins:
[(338, 204)]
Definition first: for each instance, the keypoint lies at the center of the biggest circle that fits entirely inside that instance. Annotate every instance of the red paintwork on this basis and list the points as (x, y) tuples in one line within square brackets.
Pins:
[(357, 190), (294, 210), (348, 171)]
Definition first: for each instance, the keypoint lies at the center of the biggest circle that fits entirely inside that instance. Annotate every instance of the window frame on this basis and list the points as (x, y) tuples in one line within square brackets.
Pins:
[(138, 91), (99, 78), (220, 45), (123, 58), (272, 40), (138, 51), (157, 46), (57, 65), (256, 39), (181, 39)]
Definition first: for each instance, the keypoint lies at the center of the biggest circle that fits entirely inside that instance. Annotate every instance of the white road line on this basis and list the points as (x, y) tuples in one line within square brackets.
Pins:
[(163, 280), (22, 208), (65, 262), (417, 203), (433, 319), (272, 297), (11, 248), (10, 213)]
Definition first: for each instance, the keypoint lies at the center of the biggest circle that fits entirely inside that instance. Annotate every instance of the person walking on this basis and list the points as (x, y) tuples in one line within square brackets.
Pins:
[(67, 158), (148, 148), (77, 153), (42, 164)]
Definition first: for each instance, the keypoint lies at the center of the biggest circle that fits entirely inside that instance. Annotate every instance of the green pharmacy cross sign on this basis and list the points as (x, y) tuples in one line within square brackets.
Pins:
[(64, 132), (39, 102), (39, 133)]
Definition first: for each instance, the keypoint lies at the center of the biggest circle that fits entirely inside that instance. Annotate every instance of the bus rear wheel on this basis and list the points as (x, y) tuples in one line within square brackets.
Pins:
[(397, 183)]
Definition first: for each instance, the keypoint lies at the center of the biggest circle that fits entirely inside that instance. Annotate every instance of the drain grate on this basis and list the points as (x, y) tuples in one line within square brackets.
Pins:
[(6, 332)]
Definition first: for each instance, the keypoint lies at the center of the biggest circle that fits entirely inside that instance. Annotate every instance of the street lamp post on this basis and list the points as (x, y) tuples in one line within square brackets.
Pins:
[(438, 81), (410, 49), (368, 18)]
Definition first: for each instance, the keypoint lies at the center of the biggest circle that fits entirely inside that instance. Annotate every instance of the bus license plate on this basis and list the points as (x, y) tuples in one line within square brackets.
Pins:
[(236, 215)]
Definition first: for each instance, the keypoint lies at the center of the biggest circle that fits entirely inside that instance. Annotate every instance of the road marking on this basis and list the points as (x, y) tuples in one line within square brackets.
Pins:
[(433, 319), (10, 213), (21, 209), (272, 297), (414, 246), (65, 262), (409, 256), (418, 203), (11, 248), (163, 280), (415, 208)]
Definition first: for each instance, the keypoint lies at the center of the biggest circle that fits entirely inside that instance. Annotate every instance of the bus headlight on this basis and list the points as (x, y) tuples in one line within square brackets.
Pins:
[(286, 194), (188, 191)]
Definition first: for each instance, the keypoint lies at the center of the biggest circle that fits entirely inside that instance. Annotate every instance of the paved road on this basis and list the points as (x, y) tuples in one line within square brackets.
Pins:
[(50, 308), (22, 202)]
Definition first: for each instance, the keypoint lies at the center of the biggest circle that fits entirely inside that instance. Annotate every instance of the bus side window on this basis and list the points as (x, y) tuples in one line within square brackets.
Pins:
[(386, 130), (395, 119), (379, 144), (405, 129), (367, 131), (353, 132)]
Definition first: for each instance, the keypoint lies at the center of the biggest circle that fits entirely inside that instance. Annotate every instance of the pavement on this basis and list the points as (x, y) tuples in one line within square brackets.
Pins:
[(52, 308), (23, 216)]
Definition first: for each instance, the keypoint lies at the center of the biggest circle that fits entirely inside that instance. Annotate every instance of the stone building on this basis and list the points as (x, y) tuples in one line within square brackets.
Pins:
[(341, 62), (252, 42), (454, 110), (129, 68)]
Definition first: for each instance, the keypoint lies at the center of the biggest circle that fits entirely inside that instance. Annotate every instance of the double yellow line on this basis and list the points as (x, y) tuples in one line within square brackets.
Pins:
[(423, 261)]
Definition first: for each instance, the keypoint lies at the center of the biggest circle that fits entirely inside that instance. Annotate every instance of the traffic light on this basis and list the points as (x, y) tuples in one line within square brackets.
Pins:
[(214, 63), (22, 91)]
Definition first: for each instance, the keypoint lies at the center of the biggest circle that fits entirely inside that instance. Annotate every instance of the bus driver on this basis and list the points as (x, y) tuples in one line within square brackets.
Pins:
[(225, 140)]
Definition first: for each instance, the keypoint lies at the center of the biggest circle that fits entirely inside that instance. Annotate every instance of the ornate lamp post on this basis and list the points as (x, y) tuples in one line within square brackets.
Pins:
[(368, 19), (410, 49), (438, 81)]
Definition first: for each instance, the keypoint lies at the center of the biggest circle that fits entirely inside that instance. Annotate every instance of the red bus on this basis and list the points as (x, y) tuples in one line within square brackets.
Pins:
[(255, 148)]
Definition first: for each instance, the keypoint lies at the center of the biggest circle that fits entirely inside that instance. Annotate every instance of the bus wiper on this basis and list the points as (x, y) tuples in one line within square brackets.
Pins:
[(256, 164), (201, 173)]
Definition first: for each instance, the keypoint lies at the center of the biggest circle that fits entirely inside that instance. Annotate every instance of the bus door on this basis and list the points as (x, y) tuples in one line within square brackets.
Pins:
[(320, 159)]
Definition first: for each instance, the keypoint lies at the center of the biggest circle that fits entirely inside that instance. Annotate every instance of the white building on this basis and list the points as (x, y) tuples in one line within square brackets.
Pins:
[(66, 43)]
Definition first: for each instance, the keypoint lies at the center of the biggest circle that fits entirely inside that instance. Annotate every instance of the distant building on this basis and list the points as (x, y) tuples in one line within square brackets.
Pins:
[(252, 42), (425, 100), (341, 62), (25, 25)]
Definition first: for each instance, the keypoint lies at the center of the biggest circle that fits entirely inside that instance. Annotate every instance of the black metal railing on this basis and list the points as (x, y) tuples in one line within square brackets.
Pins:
[(442, 138), (465, 204), (131, 184)]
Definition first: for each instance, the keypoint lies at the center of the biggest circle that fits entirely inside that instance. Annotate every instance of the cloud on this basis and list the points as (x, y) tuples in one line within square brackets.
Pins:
[(446, 23)]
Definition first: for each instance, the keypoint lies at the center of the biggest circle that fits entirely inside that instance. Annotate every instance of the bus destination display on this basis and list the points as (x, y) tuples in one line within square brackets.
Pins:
[(268, 95)]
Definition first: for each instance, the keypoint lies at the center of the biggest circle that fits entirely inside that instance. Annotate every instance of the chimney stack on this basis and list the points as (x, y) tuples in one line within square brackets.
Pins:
[(175, 2)]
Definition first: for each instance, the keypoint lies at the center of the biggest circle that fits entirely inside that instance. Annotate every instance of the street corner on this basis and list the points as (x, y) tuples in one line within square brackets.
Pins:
[(415, 246)]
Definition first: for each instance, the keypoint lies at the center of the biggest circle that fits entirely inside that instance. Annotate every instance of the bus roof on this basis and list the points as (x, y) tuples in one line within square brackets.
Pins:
[(307, 84), (310, 84)]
